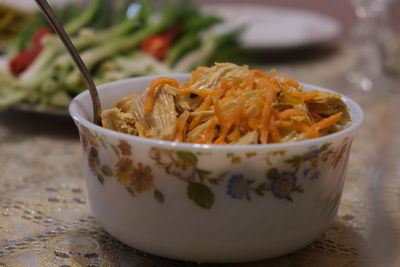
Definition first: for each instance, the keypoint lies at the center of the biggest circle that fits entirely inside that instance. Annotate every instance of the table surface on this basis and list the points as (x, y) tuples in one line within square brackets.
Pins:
[(45, 219)]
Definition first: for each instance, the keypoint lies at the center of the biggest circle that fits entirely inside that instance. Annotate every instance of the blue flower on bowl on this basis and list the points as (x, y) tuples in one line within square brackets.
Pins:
[(238, 186), (312, 154), (315, 175), (284, 185)]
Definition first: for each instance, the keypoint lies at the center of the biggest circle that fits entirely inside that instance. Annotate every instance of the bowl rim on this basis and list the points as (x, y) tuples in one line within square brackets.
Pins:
[(77, 102)]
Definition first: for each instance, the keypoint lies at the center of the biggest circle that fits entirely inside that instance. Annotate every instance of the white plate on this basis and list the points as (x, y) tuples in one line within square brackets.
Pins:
[(276, 27)]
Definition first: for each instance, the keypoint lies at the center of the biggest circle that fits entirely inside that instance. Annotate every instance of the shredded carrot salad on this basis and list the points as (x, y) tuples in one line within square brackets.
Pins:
[(229, 104)]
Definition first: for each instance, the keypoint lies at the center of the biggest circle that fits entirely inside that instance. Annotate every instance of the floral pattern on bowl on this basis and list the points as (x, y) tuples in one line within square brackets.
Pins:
[(159, 196), (137, 177)]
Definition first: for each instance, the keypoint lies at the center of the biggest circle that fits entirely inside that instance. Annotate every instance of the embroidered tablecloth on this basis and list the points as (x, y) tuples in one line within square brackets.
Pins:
[(45, 219)]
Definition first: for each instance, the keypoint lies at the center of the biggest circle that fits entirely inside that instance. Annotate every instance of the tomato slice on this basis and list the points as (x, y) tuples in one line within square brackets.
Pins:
[(156, 46), (39, 34), (24, 59)]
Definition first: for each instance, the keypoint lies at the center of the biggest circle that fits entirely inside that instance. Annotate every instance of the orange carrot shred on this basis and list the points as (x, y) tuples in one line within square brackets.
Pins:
[(151, 93), (219, 114), (251, 76), (274, 106), (201, 69), (203, 106), (180, 127), (225, 85), (208, 133), (238, 113), (313, 131), (284, 124), (234, 136), (140, 129), (291, 82), (222, 122), (196, 74), (327, 122), (266, 112), (275, 135), (300, 127), (310, 95), (226, 99), (290, 113), (254, 123)]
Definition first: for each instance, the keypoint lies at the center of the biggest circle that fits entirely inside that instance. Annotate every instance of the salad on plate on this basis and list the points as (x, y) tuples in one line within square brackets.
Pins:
[(116, 42)]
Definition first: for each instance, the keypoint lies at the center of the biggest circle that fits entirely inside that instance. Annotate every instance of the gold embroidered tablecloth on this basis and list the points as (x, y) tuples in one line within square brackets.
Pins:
[(45, 218)]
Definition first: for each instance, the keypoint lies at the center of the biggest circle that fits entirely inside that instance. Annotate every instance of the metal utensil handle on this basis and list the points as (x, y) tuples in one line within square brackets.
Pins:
[(45, 7)]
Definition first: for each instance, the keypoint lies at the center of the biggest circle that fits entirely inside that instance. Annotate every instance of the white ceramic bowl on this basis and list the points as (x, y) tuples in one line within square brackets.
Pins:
[(208, 203)]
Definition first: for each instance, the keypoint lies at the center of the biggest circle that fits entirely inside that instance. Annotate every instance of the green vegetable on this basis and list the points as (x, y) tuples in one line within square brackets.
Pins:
[(23, 39), (35, 74), (71, 11), (94, 56), (102, 17), (109, 43), (185, 44), (228, 48), (145, 11), (8, 100), (59, 99), (200, 22), (73, 26), (45, 64), (199, 56), (10, 92), (193, 23)]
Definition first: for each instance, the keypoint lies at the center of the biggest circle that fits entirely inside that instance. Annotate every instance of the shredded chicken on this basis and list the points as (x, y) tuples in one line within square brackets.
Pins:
[(212, 76), (228, 104)]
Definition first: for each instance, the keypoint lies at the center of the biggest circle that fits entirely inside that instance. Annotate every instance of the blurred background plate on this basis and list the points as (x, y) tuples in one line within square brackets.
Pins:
[(3, 63), (30, 5), (32, 108), (270, 27), (41, 110)]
